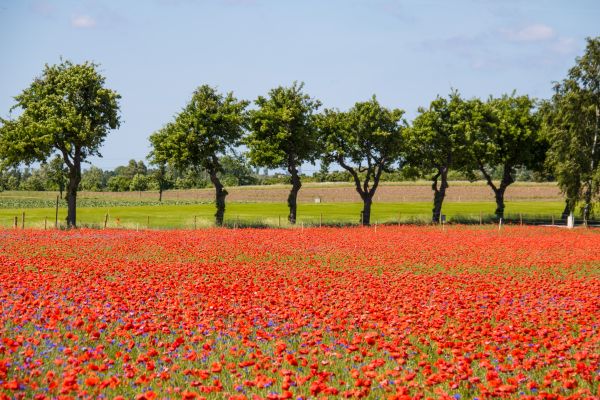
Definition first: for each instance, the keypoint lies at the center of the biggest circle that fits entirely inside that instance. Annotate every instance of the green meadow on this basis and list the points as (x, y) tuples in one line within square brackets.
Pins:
[(272, 214)]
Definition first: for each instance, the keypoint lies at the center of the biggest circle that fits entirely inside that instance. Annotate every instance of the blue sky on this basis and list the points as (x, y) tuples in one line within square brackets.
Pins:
[(155, 52)]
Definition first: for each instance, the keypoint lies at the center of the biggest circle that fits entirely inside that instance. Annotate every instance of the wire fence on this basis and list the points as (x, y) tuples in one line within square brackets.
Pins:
[(22, 221)]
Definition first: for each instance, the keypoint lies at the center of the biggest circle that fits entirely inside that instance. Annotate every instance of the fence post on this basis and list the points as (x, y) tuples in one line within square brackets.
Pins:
[(16, 223), (521, 218), (105, 220), (148, 224), (194, 216), (279, 221), (480, 218), (23, 221), (56, 215)]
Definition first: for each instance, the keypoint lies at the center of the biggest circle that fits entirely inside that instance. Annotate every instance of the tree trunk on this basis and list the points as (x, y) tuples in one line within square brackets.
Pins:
[(507, 180), (499, 195), (366, 193), (587, 196), (220, 194), (366, 211), (587, 199), (72, 186), (161, 181), (293, 196), (439, 194), (568, 208)]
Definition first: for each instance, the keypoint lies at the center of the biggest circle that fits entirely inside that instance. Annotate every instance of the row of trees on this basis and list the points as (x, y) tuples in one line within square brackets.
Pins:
[(285, 131), (68, 111)]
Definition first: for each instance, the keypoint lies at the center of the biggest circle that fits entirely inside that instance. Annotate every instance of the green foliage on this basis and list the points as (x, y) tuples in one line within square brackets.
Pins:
[(516, 141), (36, 180), (118, 183), (367, 139), (283, 131), (500, 133), (572, 124), (32, 203), (237, 171), (66, 111), (209, 126), (139, 182), (57, 174), (284, 135), (205, 129), (434, 141), (93, 179)]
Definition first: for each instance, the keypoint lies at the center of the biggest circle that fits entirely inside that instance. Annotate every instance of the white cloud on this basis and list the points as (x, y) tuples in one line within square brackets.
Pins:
[(531, 33), (83, 21)]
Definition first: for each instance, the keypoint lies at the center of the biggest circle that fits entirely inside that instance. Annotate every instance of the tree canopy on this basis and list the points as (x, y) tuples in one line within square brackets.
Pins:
[(67, 110), (284, 134), (501, 133), (572, 124), (366, 141), (435, 144), (208, 126)]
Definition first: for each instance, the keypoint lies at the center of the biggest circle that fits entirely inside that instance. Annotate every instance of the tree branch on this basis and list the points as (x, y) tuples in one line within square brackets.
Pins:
[(487, 176), (354, 174)]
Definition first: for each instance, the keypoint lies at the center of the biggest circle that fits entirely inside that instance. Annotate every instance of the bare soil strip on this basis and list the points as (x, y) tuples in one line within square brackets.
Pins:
[(336, 193)]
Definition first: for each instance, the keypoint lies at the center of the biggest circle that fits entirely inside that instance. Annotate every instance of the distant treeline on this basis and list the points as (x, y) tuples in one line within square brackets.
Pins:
[(237, 171)]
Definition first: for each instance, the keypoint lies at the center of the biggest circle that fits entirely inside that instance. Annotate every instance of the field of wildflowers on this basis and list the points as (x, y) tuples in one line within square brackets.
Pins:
[(393, 312)]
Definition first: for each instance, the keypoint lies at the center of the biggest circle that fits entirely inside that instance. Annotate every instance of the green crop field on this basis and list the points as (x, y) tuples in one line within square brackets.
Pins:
[(183, 216)]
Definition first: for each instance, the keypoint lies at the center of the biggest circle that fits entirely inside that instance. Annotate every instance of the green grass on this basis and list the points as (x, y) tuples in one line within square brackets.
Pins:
[(183, 216)]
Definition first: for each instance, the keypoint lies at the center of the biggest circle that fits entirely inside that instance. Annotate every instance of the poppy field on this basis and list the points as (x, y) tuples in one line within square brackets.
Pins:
[(381, 313)]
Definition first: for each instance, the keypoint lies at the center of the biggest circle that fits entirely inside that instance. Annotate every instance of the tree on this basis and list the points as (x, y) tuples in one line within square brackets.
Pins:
[(284, 135), (203, 131), (92, 179), (237, 171), (435, 144), (67, 110), (58, 173), (139, 182), (35, 181), (118, 183), (10, 178), (572, 124), (159, 176), (504, 133), (365, 141)]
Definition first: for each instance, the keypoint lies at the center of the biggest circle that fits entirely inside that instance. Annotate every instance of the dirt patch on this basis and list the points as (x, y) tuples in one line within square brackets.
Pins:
[(334, 193)]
